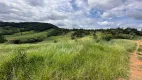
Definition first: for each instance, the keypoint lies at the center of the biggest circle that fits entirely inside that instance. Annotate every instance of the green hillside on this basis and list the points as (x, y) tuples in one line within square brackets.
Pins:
[(79, 59), (66, 54)]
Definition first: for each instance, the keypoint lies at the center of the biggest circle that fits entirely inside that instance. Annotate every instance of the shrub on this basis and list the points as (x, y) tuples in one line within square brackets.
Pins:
[(107, 37), (56, 32), (55, 41), (14, 41), (102, 36), (53, 33), (29, 40), (72, 37), (79, 33), (2, 39), (34, 40), (98, 36), (124, 36)]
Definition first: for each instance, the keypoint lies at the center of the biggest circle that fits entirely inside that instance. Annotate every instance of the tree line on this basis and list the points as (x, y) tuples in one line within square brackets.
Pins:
[(9, 28)]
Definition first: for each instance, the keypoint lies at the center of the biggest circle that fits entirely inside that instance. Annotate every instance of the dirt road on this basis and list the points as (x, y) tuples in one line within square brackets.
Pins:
[(136, 64)]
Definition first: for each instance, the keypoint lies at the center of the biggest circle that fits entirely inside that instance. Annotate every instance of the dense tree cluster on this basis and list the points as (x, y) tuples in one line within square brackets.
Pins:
[(56, 32), (119, 33), (107, 34), (78, 33)]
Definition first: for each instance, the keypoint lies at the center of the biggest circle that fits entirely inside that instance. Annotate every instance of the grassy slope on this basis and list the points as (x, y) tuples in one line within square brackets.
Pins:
[(28, 34), (67, 59)]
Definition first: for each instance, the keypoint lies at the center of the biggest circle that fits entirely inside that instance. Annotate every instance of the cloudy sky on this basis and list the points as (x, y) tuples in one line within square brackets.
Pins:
[(88, 14)]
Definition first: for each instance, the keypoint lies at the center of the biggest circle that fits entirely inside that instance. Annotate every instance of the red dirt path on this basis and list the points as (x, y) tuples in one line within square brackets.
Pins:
[(136, 65)]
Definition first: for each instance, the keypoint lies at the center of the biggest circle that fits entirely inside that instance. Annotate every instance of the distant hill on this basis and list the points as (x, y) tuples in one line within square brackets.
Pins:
[(25, 26), (42, 31)]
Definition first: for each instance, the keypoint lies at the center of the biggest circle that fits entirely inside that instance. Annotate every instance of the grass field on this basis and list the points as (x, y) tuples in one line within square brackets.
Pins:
[(25, 35), (79, 59)]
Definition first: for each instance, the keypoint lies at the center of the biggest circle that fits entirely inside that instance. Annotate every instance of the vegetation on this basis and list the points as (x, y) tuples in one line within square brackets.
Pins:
[(31, 37), (140, 48), (78, 33), (2, 39), (140, 52), (140, 58), (8, 28), (84, 59), (64, 54), (56, 32), (102, 36), (24, 28)]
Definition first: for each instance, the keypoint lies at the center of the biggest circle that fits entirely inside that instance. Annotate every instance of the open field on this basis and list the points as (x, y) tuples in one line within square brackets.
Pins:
[(70, 39), (62, 54), (79, 59)]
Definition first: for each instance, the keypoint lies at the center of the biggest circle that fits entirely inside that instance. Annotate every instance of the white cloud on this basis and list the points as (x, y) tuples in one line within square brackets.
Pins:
[(106, 23), (71, 13), (132, 8), (104, 4)]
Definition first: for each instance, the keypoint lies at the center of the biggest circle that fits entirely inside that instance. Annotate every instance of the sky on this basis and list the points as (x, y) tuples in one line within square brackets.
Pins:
[(87, 14)]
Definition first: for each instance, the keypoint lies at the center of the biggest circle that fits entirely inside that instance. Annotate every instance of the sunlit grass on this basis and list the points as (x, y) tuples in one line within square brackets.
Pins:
[(81, 59), (26, 35)]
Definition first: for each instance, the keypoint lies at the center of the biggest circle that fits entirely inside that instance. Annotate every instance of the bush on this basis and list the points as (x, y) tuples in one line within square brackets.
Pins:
[(53, 33), (33, 40), (29, 40), (107, 37), (98, 36), (124, 36), (72, 37), (14, 41), (102, 36), (56, 32), (55, 41), (2, 39), (79, 33)]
